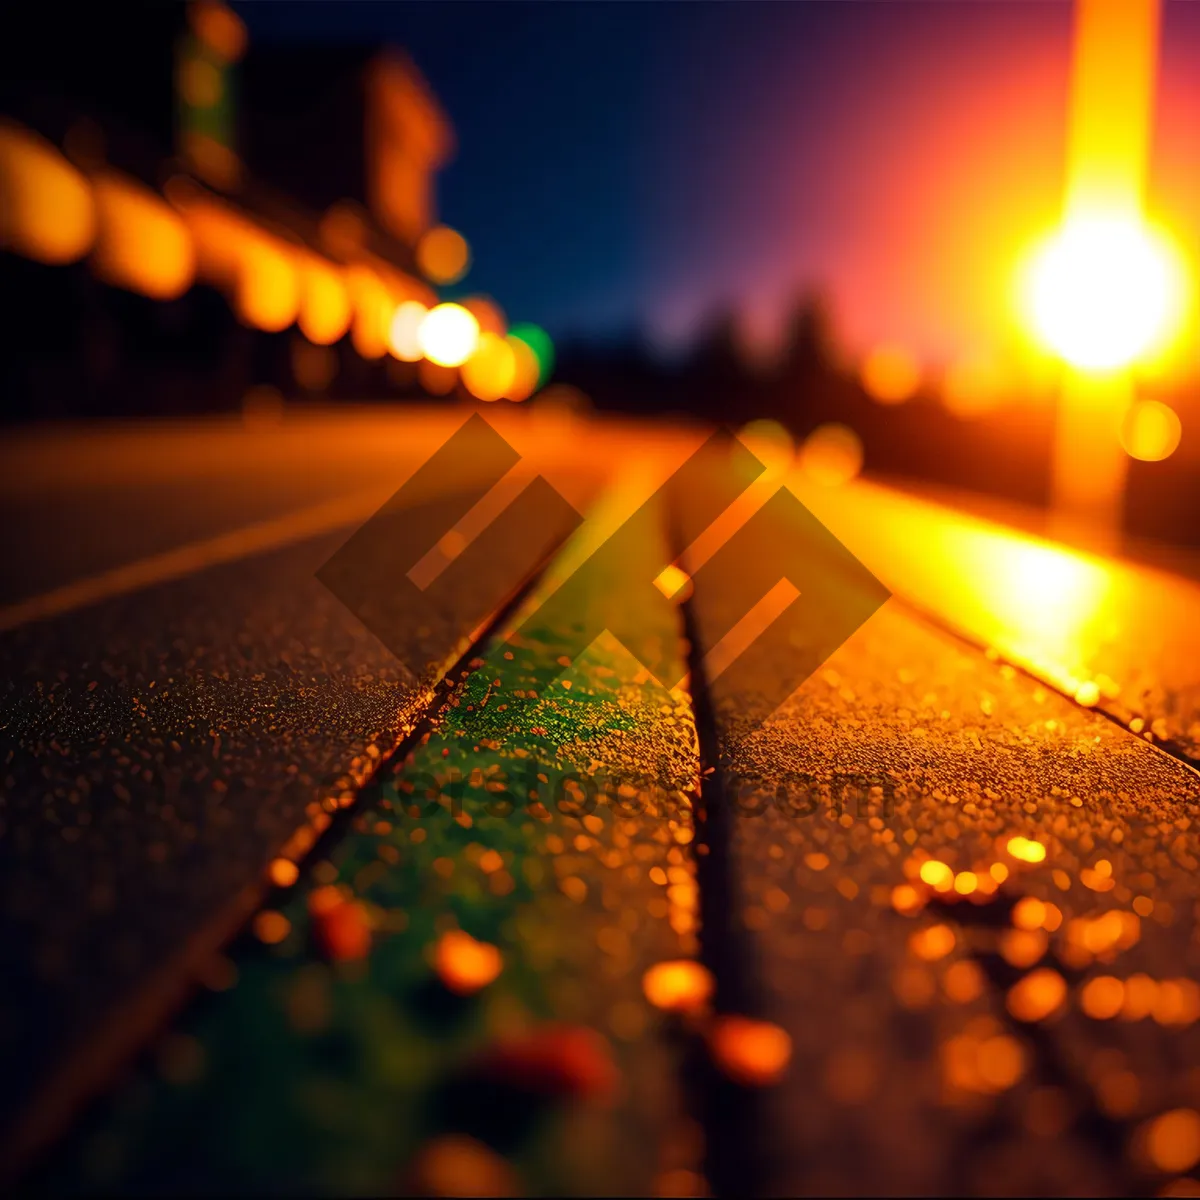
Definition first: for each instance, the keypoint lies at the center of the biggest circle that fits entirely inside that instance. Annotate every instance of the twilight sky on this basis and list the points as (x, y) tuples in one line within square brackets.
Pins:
[(649, 164)]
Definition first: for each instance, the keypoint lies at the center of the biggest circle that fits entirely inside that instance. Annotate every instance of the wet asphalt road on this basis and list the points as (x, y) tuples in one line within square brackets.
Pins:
[(163, 744)]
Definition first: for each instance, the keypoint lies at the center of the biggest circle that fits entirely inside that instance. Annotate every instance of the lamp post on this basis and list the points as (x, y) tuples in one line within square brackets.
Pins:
[(1101, 282)]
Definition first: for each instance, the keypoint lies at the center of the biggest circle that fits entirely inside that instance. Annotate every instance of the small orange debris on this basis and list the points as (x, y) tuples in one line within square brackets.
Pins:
[(283, 872), (965, 882), (271, 927), (1037, 996), (465, 965), (752, 1053), (1029, 913), (340, 927), (681, 985), (1102, 997), (963, 981), (1000, 1062), (1026, 850), (1172, 1140), (490, 860), (933, 943), (906, 899), (568, 1061), (456, 1165), (1023, 947), (937, 875)]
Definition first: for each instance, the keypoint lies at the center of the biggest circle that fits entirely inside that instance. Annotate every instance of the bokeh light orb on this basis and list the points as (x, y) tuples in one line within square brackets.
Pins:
[(832, 455), (770, 443), (1103, 291), (449, 335), (443, 255), (538, 340), (890, 374), (489, 372), (404, 336), (1151, 431), (527, 370)]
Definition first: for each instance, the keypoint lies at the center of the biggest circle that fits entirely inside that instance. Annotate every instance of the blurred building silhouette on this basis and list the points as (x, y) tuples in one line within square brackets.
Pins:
[(185, 217)]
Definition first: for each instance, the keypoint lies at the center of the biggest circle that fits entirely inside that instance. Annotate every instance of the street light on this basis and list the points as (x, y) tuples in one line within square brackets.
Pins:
[(1104, 289)]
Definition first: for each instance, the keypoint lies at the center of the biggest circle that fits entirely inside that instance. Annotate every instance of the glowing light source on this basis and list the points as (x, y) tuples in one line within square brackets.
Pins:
[(1151, 431), (832, 455), (219, 28), (443, 255), (465, 965), (890, 374), (752, 1053), (770, 443), (372, 312), (527, 370), (268, 284), (682, 985), (404, 339), (489, 372), (538, 340), (324, 302), (141, 244), (1103, 291), (449, 335), (46, 207)]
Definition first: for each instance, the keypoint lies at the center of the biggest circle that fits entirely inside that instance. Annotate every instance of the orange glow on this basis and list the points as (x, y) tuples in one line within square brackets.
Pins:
[(674, 583), (1026, 850), (890, 374), (526, 370), (488, 313), (965, 883), (324, 301), (972, 386), (1039, 995), (489, 372), (372, 312), (1177, 1002), (1151, 431), (283, 872), (443, 255), (770, 443), (683, 985), (219, 28), (404, 338), (437, 381), (1102, 997), (752, 1053), (933, 943), (271, 927), (46, 207), (141, 243), (1173, 1140), (937, 875), (449, 335), (1028, 913), (268, 284), (1104, 291), (832, 455), (340, 927), (464, 965), (1022, 947)]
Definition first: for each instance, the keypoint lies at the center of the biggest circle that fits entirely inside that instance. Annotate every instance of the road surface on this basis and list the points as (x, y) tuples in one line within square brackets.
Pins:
[(186, 704)]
